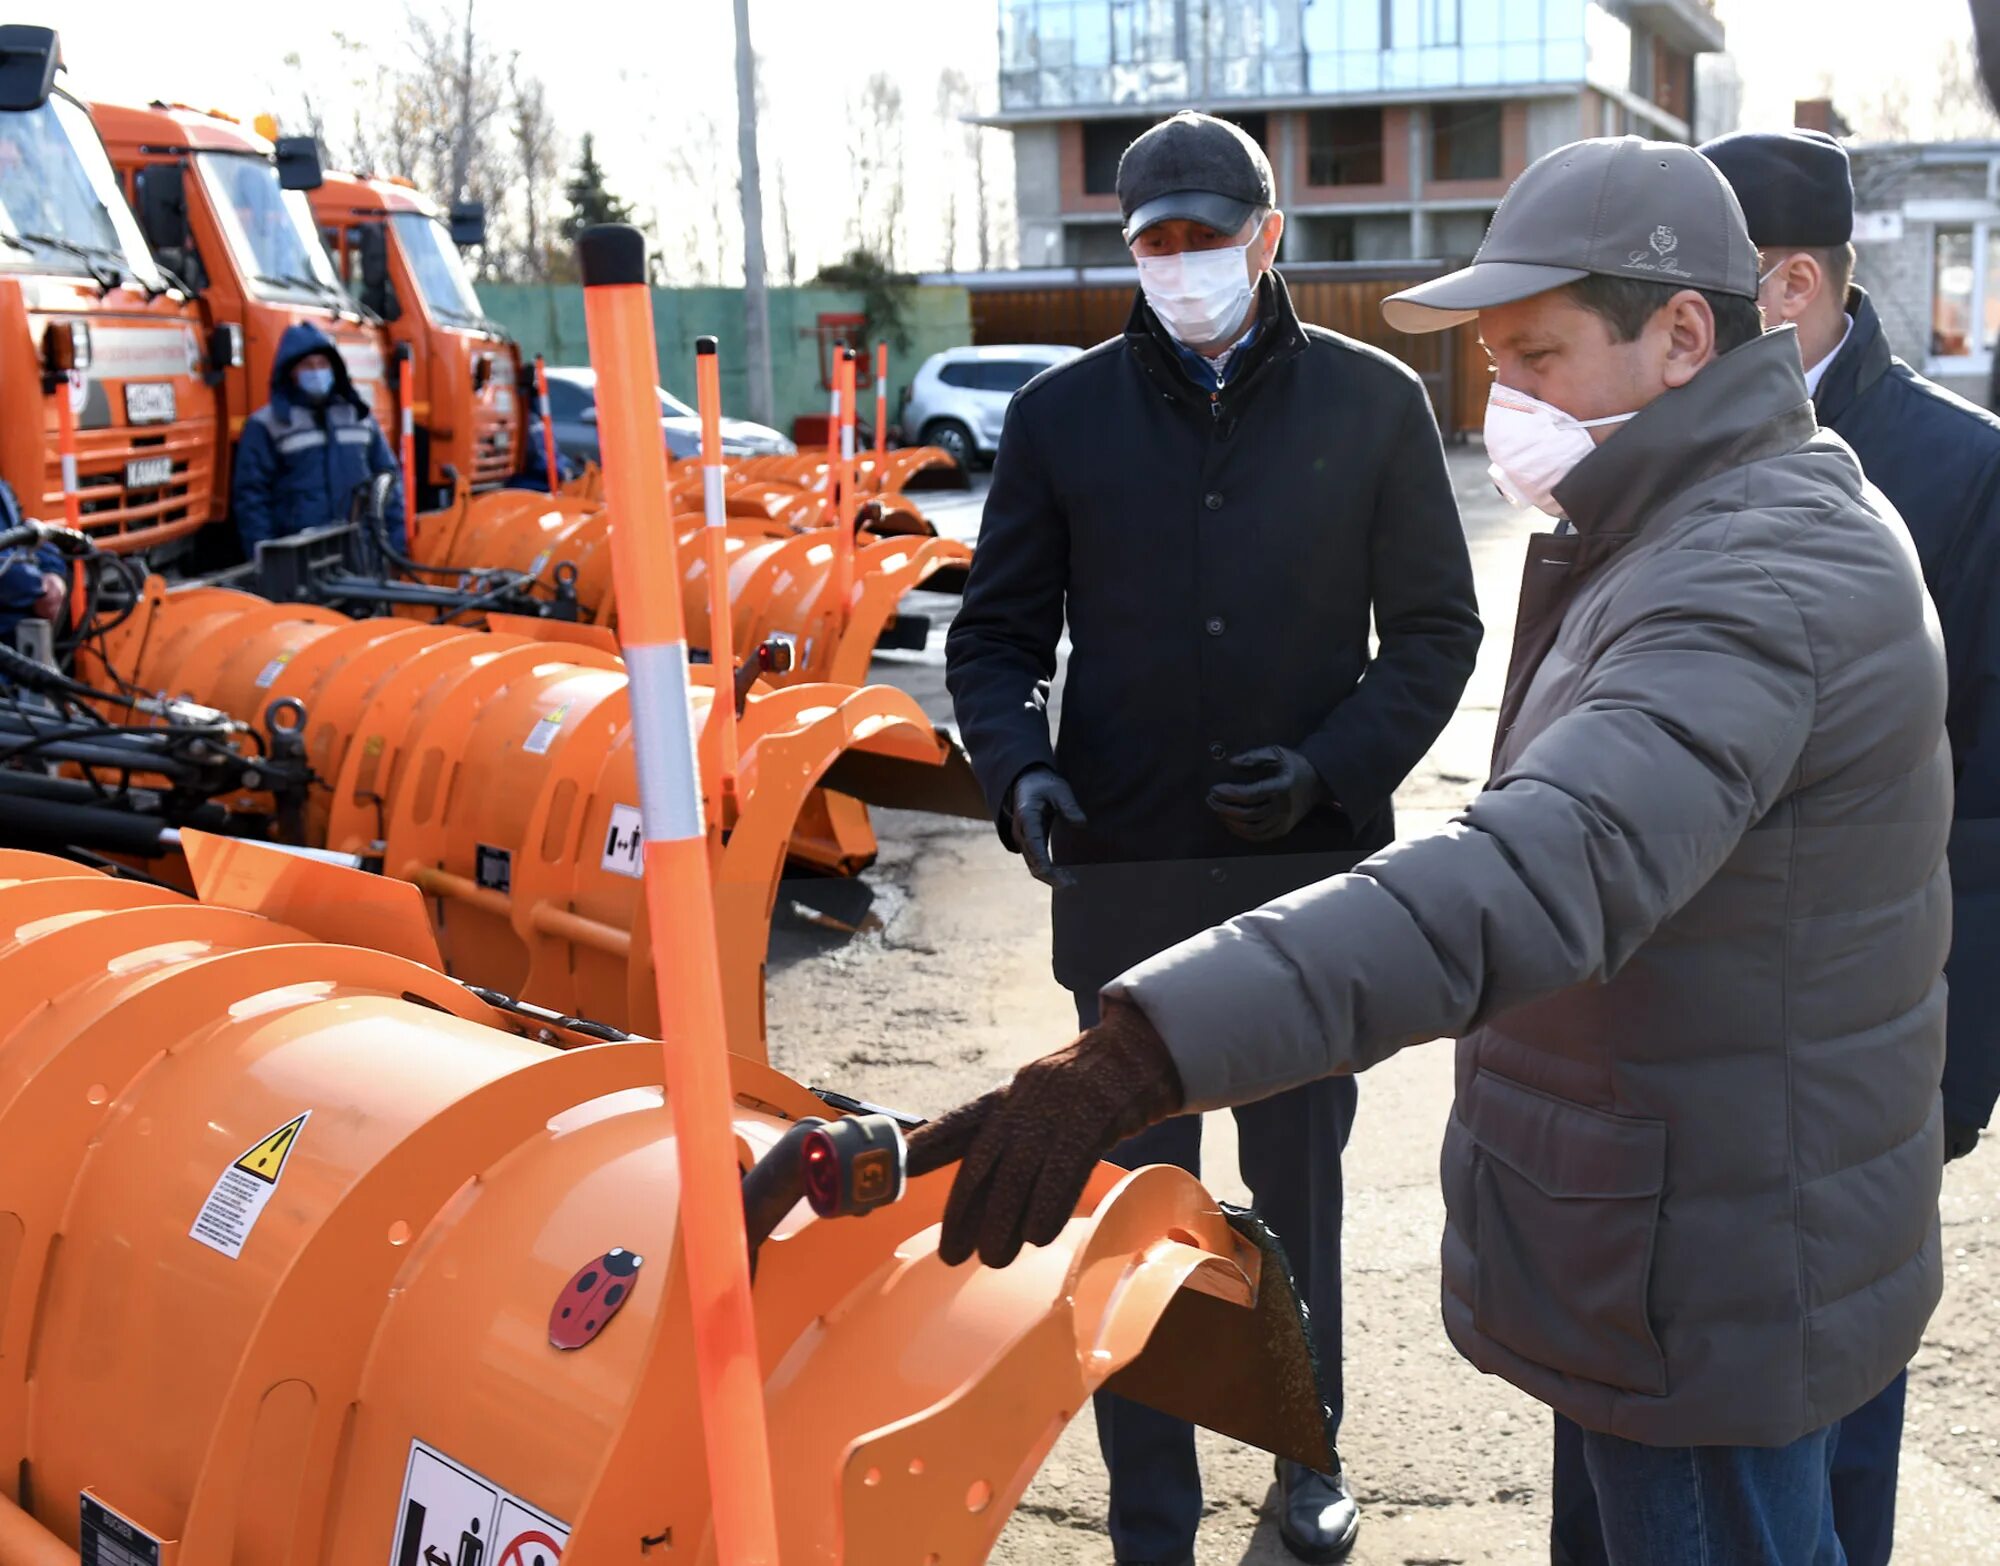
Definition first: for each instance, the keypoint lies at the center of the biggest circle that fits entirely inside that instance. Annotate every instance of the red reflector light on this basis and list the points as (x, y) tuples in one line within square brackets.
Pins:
[(822, 1166)]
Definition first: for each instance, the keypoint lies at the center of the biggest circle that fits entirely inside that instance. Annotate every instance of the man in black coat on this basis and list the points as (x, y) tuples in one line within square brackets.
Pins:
[(1217, 503), (1937, 458)]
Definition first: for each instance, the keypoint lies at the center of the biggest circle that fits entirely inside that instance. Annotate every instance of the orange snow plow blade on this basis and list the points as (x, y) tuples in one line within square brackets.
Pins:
[(328, 1222)]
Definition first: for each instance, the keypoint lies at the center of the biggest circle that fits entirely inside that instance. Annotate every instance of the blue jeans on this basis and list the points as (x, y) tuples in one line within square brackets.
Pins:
[(1693, 1505), (1863, 1482), (1288, 1149)]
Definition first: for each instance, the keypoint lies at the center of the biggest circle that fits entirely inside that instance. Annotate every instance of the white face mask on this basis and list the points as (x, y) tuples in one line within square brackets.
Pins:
[(1201, 296), (1534, 445)]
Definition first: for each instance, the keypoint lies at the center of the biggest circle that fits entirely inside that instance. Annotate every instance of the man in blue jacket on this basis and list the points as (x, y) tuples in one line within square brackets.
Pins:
[(1937, 458), (31, 581), (304, 453)]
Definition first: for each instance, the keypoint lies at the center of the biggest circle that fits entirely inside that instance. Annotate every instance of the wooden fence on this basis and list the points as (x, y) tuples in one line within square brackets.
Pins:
[(1086, 307)]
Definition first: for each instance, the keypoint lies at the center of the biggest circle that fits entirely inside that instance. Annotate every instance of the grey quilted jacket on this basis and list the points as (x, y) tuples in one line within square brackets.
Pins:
[(1689, 940)]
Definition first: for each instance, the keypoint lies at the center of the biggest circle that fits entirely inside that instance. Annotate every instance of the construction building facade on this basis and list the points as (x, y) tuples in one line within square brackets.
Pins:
[(1393, 126)]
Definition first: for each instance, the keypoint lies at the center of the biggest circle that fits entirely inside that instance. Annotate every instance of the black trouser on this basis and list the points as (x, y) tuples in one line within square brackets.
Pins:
[(1288, 1149)]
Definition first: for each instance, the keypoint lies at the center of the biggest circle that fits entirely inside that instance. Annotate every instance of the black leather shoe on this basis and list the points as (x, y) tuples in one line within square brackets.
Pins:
[(1317, 1516)]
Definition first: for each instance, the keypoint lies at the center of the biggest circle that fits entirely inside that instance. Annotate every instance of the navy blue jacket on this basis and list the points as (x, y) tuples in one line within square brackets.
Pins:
[(21, 568), (1937, 458), (1218, 558), (297, 466)]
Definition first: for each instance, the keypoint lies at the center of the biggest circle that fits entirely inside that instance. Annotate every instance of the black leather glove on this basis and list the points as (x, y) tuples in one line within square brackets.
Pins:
[(1028, 1148), (1032, 805), (1266, 808), (1959, 1139)]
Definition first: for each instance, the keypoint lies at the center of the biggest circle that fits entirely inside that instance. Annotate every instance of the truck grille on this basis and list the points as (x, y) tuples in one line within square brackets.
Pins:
[(123, 518)]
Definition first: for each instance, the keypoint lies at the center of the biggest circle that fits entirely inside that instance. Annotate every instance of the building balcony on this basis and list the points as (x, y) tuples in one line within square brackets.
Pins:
[(1688, 25)]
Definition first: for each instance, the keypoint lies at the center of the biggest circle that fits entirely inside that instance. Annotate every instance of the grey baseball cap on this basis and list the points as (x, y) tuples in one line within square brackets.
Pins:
[(1193, 166), (1617, 207)]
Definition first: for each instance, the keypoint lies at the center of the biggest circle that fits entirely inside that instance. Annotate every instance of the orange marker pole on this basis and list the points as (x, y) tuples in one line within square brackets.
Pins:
[(721, 635), (406, 402), (618, 316), (843, 543), (881, 406), (548, 424), (832, 508), (66, 449)]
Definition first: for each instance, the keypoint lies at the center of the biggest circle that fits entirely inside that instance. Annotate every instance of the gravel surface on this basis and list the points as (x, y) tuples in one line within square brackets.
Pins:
[(953, 991)]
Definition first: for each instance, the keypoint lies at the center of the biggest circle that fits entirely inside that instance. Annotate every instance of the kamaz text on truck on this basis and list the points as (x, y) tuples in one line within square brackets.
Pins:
[(87, 317)]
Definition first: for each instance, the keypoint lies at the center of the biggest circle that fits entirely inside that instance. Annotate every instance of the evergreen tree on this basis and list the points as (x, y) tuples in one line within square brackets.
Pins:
[(590, 202)]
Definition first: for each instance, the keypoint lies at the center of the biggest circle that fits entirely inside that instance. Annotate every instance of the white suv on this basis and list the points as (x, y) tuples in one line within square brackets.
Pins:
[(959, 398)]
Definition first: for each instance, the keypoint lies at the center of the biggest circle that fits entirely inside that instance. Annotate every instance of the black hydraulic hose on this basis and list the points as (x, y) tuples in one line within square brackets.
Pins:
[(30, 822)]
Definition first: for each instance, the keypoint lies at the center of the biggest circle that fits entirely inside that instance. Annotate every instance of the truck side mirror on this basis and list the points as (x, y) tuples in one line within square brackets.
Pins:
[(28, 59), (376, 292), (163, 207), (298, 163), (468, 223)]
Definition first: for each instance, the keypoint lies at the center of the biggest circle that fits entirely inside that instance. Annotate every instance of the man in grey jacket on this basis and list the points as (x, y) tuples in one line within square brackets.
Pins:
[(1689, 937)]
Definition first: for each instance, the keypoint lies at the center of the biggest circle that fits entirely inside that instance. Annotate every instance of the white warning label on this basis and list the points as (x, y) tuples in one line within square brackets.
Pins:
[(268, 675), (236, 1203), (451, 1516), (624, 842), (544, 733)]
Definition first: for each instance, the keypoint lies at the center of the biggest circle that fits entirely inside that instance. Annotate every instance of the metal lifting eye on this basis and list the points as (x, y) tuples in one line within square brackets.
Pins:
[(286, 715), (565, 573)]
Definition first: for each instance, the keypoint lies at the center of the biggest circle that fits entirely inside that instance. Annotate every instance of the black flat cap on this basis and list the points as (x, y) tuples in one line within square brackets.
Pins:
[(1794, 186), (1196, 167)]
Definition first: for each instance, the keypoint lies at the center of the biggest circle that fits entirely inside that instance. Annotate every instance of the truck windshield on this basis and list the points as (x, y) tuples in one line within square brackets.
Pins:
[(269, 229), (438, 268), (60, 208)]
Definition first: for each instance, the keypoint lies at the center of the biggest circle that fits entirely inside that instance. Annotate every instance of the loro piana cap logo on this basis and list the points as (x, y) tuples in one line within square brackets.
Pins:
[(1663, 242)]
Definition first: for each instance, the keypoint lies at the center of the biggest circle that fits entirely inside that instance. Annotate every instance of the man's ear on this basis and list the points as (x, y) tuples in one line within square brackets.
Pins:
[(1274, 230), (1800, 280), (1689, 326)]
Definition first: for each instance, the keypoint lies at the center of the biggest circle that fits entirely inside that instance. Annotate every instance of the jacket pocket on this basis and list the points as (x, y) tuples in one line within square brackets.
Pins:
[(1566, 1202)]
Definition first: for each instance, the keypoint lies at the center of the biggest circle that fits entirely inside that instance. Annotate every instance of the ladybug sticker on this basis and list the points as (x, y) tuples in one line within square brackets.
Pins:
[(593, 1297)]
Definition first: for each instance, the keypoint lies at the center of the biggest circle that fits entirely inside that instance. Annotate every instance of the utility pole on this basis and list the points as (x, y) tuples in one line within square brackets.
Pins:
[(756, 303)]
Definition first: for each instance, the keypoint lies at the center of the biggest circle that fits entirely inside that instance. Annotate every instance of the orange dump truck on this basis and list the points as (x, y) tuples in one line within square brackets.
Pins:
[(400, 257), (225, 211), (111, 420)]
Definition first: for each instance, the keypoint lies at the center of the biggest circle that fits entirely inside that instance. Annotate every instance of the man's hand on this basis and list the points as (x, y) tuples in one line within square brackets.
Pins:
[(1267, 808), (1032, 804), (1959, 1139), (1025, 1151)]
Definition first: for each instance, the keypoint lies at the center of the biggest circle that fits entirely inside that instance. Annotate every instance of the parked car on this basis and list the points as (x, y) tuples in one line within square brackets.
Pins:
[(573, 407), (959, 398)]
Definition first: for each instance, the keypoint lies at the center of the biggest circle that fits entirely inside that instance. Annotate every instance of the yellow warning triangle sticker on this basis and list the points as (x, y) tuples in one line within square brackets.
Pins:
[(267, 1159)]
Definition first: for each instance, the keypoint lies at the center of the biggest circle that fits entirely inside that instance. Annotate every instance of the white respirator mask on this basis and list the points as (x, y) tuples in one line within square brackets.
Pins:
[(1200, 296), (1533, 446)]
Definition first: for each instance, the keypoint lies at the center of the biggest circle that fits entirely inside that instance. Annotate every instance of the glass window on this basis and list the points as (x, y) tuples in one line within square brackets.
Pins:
[(1952, 289), (437, 266), (960, 372), (1093, 33), (1479, 21), (56, 183), (1441, 21), (1006, 375), (1465, 141), (270, 230), (567, 400), (1104, 143), (1344, 147)]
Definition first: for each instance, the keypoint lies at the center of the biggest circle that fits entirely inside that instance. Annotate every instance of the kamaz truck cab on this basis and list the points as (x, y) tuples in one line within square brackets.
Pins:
[(226, 210), (87, 318), (401, 258)]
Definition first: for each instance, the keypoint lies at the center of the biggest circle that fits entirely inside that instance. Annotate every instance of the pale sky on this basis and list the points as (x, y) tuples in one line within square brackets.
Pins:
[(640, 76)]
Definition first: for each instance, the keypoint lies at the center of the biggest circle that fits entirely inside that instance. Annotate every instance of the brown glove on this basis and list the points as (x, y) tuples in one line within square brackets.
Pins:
[(1025, 1151)]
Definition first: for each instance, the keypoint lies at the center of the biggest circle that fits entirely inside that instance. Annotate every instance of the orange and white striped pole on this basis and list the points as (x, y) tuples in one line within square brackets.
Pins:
[(72, 495), (548, 423), (618, 315), (831, 510), (881, 406), (843, 543), (721, 634), (406, 419)]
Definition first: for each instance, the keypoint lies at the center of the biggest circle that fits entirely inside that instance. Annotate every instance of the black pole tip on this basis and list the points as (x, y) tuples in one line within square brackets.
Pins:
[(611, 253), (704, 346)]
